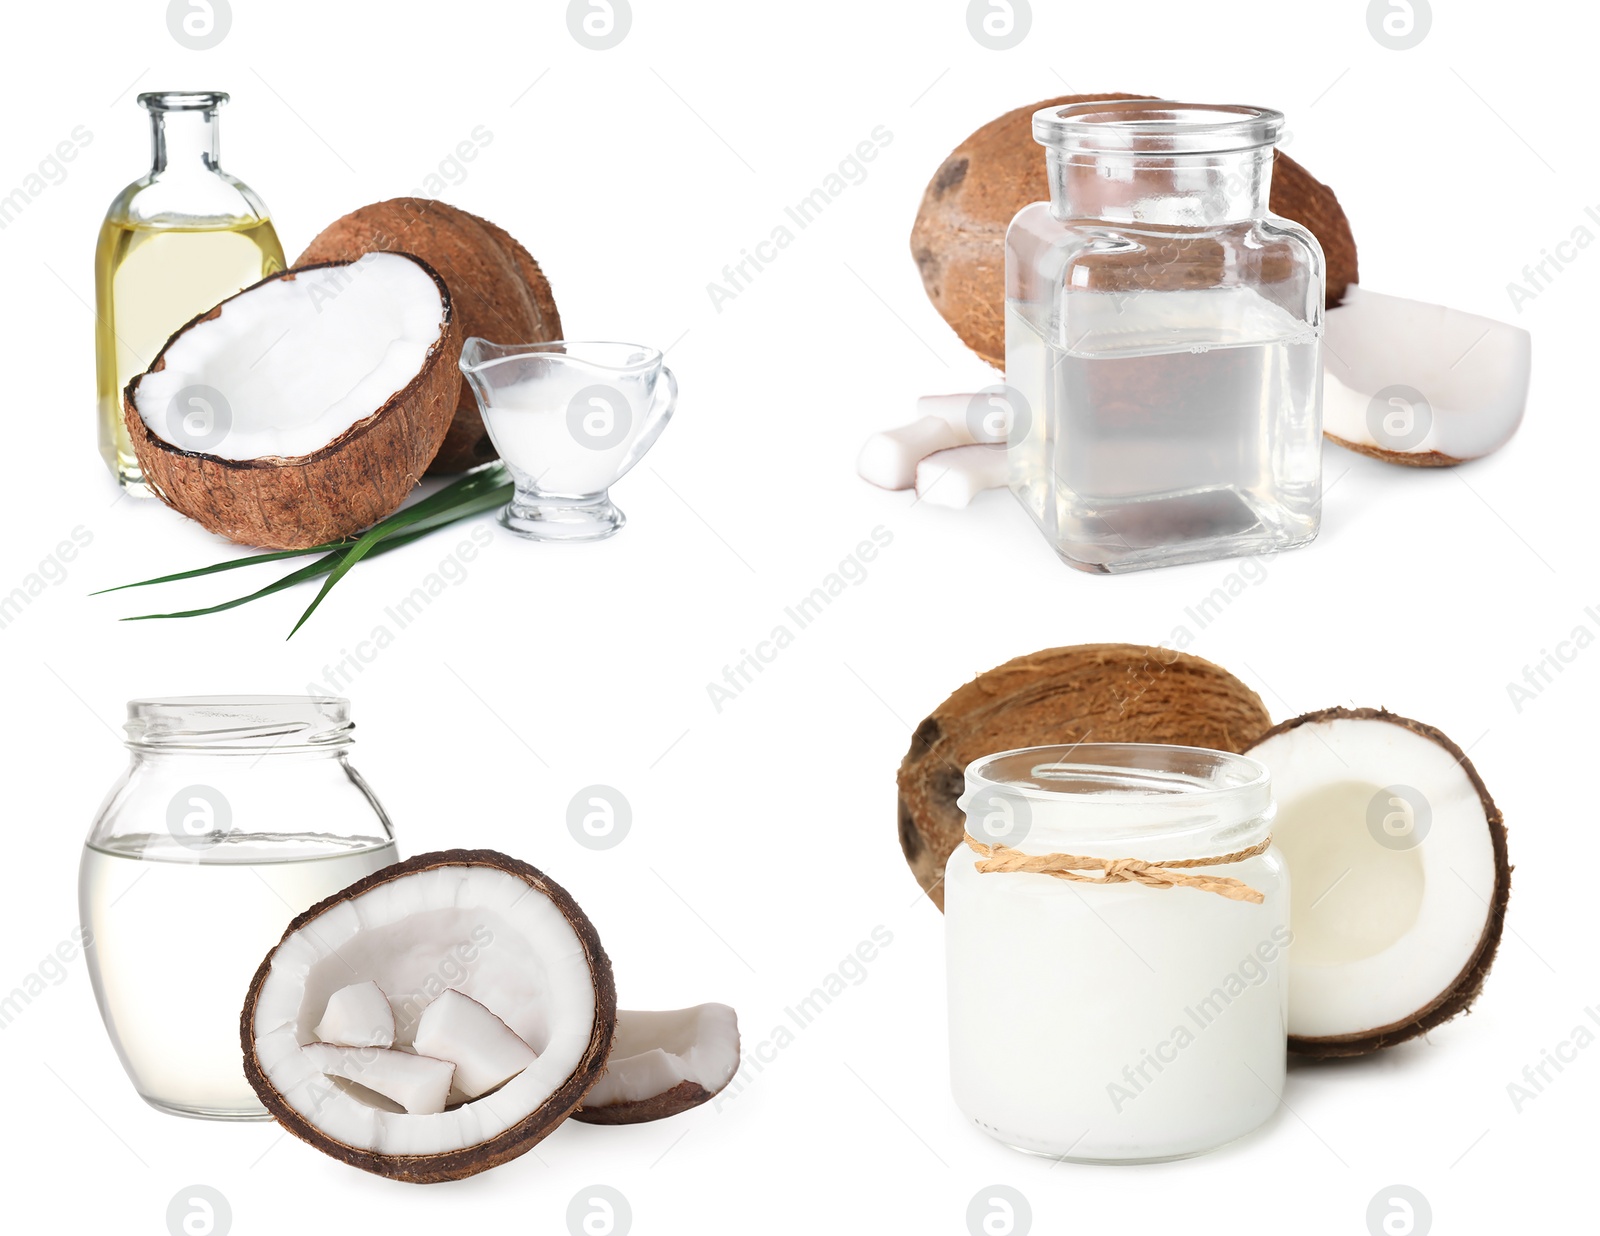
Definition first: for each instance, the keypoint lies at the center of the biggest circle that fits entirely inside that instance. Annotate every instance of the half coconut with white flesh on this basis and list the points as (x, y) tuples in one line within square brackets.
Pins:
[(1419, 384), (304, 408), (1397, 860), (663, 1063), (491, 971)]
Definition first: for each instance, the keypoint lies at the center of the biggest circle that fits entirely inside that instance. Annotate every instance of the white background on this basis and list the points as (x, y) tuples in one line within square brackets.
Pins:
[(763, 845)]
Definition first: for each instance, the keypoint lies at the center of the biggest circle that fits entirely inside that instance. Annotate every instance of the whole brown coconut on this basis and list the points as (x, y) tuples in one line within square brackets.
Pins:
[(348, 485), (1103, 692), (958, 240), (499, 291)]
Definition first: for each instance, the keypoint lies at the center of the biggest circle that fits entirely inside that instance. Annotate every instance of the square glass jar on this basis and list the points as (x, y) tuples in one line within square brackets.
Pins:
[(1163, 340), (1117, 1023)]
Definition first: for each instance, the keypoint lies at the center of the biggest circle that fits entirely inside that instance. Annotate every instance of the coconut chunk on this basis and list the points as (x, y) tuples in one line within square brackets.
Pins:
[(976, 416), (1420, 384), (419, 1084), (358, 1016), (486, 1052), (1397, 856), (889, 459), (954, 477), (663, 1063)]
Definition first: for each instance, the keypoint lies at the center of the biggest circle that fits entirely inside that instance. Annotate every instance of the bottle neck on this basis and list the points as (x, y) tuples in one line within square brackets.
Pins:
[(184, 142), (1196, 190)]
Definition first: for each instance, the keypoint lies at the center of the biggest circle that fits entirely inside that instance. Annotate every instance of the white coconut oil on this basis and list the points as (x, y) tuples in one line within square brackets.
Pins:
[(176, 934), (1116, 1023), (570, 436)]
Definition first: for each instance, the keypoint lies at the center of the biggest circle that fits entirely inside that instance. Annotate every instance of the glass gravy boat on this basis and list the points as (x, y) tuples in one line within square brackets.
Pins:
[(569, 419)]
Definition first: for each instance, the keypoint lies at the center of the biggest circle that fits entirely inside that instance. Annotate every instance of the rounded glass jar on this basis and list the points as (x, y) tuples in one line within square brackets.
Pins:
[(1163, 340), (234, 815), (1117, 1023)]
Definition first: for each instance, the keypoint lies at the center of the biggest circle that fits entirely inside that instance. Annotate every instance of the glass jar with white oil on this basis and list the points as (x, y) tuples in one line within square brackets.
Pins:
[(1117, 936)]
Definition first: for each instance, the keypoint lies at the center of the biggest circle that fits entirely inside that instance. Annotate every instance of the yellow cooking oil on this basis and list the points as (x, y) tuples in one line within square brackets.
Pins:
[(150, 280)]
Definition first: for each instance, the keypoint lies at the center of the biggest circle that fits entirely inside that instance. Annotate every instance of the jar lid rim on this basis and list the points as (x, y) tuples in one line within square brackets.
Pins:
[(182, 100), (1151, 769), (1118, 800), (1156, 127), (239, 722)]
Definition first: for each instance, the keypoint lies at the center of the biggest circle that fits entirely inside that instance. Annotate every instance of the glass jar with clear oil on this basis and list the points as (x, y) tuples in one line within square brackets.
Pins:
[(234, 815), (181, 238), (1163, 333)]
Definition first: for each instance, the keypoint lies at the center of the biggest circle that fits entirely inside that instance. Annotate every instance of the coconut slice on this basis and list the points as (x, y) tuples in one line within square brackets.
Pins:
[(304, 408), (470, 921), (1397, 858), (419, 1085), (486, 1051), (358, 1016), (1420, 384), (663, 1063)]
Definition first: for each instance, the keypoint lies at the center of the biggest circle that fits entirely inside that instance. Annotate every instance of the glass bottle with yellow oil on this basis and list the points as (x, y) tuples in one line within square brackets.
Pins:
[(174, 243)]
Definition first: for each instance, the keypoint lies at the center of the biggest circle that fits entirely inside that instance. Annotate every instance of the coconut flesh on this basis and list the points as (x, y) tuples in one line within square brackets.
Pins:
[(299, 361), (502, 1003), (411, 1082), (1397, 858), (358, 1016), (486, 1052), (1421, 384), (663, 1063), (304, 408)]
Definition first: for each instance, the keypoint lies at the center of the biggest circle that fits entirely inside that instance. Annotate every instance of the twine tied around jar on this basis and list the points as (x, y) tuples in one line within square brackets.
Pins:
[(1123, 870)]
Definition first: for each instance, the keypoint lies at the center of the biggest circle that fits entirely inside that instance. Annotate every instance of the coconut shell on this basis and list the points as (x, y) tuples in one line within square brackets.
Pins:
[(499, 291), (679, 1098), (1406, 459), (520, 1137), (1465, 988), (359, 478), (1103, 692), (958, 239)]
